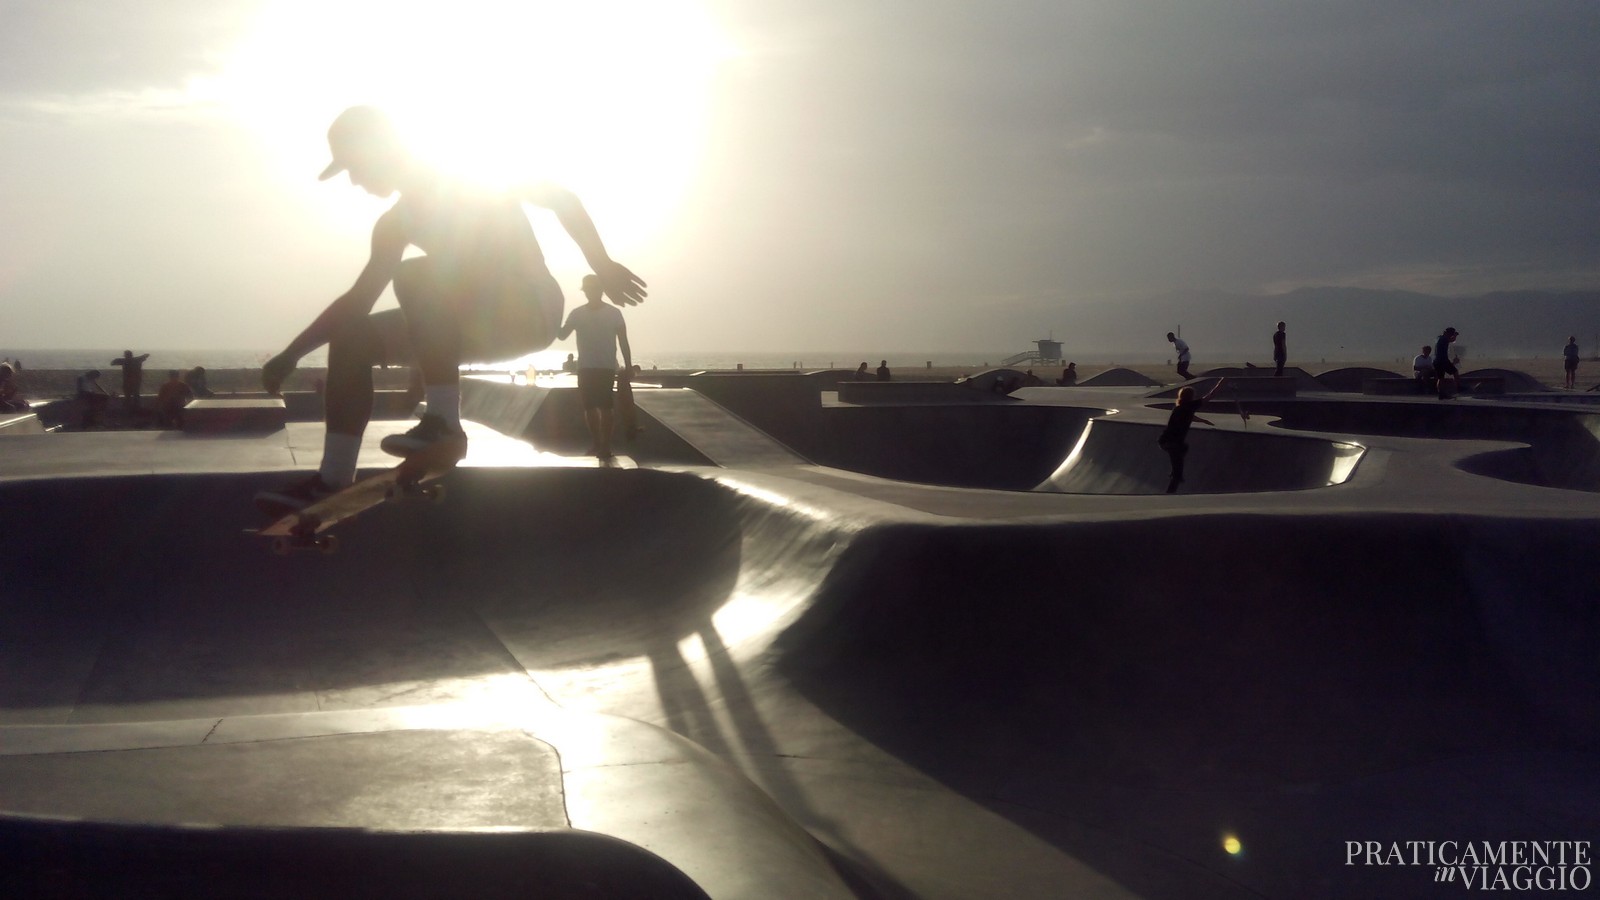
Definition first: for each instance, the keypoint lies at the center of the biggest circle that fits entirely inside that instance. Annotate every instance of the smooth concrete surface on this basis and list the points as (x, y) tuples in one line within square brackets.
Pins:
[(217, 416), (797, 680), (12, 424)]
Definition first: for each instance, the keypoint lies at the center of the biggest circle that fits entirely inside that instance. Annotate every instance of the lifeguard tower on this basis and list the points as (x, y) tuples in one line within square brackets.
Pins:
[(1047, 353)]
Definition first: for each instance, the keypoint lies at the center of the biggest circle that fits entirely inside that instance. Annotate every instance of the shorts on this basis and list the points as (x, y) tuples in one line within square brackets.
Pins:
[(1572, 365), (1443, 367), (499, 322), (594, 387)]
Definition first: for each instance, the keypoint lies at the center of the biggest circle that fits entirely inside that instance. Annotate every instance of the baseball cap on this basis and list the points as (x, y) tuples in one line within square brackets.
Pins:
[(1451, 331), (357, 130)]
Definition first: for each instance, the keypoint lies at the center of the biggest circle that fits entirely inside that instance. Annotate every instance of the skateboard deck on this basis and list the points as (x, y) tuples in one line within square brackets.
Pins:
[(305, 529)]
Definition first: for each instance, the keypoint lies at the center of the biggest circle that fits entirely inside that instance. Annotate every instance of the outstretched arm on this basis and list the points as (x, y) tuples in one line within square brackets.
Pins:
[(1214, 388), (622, 287), (388, 243)]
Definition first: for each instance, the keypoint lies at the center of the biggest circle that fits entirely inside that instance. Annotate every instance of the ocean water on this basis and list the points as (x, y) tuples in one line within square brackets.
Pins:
[(100, 358)]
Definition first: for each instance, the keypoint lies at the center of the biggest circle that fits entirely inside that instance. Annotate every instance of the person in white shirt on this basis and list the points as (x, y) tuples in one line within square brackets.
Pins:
[(601, 331), (1422, 366), (1183, 355)]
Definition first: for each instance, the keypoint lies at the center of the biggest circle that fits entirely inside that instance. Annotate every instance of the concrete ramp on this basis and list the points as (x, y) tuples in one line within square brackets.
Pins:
[(1122, 457), (721, 436), (1082, 705)]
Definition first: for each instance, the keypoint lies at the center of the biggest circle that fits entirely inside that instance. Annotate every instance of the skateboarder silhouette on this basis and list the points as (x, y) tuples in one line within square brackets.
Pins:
[(481, 292)]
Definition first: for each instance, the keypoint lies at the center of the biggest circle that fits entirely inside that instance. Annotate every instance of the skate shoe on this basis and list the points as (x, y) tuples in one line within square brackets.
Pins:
[(427, 434), (295, 497)]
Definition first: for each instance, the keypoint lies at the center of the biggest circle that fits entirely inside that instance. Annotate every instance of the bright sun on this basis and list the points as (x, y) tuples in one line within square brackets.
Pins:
[(607, 97)]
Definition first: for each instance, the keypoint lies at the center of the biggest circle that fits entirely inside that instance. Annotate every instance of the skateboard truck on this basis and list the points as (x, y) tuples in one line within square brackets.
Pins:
[(304, 536)]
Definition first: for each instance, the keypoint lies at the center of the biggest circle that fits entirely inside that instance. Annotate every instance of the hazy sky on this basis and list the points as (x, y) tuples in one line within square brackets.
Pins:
[(802, 174)]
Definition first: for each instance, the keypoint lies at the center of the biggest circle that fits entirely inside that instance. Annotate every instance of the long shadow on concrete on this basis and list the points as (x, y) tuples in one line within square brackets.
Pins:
[(1162, 683)]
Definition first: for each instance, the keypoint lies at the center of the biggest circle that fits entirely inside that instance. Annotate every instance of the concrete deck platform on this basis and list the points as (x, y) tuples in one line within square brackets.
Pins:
[(780, 677)]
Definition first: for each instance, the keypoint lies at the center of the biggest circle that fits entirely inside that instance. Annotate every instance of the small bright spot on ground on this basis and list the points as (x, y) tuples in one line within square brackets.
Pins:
[(1232, 845)]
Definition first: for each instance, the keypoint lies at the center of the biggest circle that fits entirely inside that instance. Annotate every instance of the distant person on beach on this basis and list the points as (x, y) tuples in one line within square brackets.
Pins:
[(1280, 348), (196, 379), (601, 331), (1422, 368), (92, 397), (1182, 347), (1069, 375), (173, 395), (861, 372), (1442, 365), (480, 292), (571, 365), (1569, 361), (132, 377), (10, 391), (1174, 437), (883, 370)]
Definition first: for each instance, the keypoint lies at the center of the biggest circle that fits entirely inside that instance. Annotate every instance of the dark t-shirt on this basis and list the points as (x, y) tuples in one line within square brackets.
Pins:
[(1280, 349), (1178, 423), (132, 370)]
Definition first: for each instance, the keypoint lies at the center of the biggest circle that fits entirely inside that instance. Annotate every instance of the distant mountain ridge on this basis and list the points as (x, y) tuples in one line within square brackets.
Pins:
[(1338, 322)]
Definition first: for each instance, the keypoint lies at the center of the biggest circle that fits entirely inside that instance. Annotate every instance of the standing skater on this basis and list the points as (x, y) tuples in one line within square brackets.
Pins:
[(1280, 349), (1183, 355), (601, 331), (1174, 436), (1569, 361), (1442, 364), (132, 378), (481, 292)]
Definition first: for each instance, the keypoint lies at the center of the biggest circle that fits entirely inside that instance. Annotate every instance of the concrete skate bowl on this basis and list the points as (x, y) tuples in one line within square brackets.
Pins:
[(1349, 379), (1099, 685), (1515, 382), (997, 446), (1119, 377), (1121, 457), (178, 610), (1568, 459), (139, 602), (1169, 677), (1303, 381), (1562, 444)]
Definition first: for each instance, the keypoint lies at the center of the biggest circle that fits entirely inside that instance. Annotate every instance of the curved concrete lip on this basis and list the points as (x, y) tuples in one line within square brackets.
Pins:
[(879, 686)]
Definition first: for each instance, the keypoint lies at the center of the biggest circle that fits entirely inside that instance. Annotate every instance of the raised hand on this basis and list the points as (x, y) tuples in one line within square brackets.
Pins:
[(275, 372), (622, 287)]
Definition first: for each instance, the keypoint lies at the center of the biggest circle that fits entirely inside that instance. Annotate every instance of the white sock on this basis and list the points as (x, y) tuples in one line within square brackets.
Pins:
[(444, 401), (339, 452)]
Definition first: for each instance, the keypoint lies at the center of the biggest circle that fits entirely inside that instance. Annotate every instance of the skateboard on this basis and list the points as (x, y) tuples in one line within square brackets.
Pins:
[(305, 529)]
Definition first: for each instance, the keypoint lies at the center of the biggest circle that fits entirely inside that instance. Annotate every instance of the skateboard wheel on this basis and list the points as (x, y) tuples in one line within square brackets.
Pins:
[(329, 545), (281, 546), (436, 493)]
